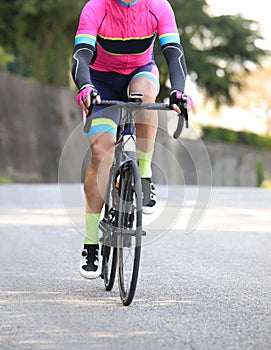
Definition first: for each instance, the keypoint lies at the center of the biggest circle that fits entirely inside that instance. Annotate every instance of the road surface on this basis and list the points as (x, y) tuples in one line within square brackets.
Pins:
[(202, 285)]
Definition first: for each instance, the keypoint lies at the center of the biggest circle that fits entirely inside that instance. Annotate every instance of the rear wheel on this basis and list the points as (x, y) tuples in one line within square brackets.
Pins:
[(129, 231)]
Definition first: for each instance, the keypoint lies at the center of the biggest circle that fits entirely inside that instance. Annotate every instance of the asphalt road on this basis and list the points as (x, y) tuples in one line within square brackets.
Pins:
[(204, 277)]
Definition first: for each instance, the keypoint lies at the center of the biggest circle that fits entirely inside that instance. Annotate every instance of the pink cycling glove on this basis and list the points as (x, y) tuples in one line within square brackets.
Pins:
[(176, 98), (83, 93)]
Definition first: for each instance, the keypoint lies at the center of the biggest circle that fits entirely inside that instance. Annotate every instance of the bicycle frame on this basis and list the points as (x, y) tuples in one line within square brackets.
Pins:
[(125, 148), (121, 225)]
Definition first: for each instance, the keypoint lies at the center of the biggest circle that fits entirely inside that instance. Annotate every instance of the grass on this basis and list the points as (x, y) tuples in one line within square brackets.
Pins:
[(5, 179), (266, 184)]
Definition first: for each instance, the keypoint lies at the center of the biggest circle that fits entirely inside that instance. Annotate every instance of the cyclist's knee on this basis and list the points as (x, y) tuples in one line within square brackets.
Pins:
[(145, 86), (149, 96), (102, 152)]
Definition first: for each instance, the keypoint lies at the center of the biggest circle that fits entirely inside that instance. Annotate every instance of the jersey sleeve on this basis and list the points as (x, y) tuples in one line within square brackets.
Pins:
[(85, 42), (167, 28), (88, 26), (171, 46)]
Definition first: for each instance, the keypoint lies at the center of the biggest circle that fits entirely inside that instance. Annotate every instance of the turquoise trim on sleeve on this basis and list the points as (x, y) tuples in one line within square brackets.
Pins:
[(85, 40), (96, 129), (167, 39)]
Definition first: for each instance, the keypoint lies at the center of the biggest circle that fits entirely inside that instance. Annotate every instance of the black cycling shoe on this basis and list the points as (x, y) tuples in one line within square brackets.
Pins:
[(149, 196), (89, 265)]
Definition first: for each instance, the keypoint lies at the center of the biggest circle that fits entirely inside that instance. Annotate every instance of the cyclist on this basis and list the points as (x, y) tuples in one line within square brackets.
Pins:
[(113, 57)]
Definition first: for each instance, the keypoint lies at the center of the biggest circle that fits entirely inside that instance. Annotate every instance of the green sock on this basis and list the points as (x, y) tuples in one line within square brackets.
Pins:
[(144, 162), (92, 228)]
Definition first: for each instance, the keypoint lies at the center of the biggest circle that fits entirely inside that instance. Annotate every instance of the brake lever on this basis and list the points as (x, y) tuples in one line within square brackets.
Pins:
[(89, 118), (183, 116)]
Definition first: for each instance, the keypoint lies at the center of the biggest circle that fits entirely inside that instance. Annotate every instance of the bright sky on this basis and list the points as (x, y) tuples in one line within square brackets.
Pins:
[(249, 9)]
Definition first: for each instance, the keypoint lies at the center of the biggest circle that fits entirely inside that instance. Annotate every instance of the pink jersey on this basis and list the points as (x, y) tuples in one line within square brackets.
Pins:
[(123, 34)]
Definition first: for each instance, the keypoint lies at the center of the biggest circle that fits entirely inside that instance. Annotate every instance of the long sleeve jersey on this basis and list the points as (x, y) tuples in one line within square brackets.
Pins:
[(119, 37)]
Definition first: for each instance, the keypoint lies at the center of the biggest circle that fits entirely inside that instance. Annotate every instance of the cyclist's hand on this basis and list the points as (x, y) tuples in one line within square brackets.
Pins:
[(175, 101), (85, 97)]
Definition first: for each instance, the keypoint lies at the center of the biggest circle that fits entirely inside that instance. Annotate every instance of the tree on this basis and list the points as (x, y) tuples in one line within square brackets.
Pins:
[(217, 49), (40, 35)]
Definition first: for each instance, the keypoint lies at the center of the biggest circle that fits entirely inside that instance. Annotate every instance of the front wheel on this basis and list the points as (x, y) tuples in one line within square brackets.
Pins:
[(109, 266), (129, 230), (109, 246)]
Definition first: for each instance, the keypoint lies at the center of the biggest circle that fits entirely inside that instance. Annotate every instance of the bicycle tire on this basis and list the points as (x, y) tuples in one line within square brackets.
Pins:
[(109, 246), (109, 266), (129, 224)]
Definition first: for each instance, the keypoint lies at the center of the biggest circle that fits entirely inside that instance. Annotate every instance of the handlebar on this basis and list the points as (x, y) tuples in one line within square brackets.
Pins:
[(139, 106)]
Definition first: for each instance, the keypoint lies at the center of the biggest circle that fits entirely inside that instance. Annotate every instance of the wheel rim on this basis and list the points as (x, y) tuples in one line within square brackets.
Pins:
[(129, 246)]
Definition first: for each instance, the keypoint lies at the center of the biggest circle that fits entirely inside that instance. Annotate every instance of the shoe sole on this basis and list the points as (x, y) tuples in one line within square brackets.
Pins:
[(89, 275), (148, 210)]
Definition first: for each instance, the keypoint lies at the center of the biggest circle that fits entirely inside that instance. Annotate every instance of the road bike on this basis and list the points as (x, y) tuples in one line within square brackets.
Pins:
[(121, 225)]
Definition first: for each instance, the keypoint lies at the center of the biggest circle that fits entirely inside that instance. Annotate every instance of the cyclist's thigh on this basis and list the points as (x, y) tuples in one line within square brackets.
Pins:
[(105, 119), (146, 80)]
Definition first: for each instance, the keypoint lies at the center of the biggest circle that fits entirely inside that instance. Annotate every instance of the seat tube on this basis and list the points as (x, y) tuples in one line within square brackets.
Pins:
[(129, 137)]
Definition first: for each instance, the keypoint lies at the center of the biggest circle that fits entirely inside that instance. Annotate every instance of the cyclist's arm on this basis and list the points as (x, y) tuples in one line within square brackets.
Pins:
[(81, 59), (174, 55), (85, 42), (171, 47)]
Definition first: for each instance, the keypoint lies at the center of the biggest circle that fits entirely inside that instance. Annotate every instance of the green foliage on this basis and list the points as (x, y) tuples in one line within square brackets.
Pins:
[(5, 178), (5, 58), (40, 35), (266, 184), (211, 133)]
